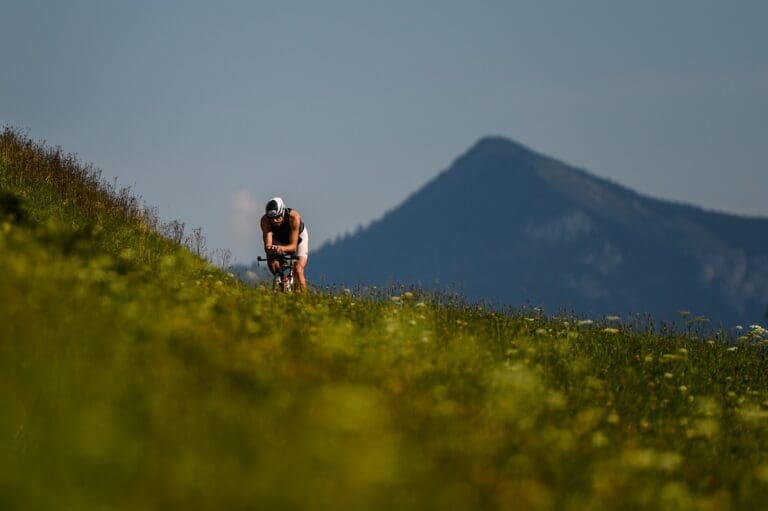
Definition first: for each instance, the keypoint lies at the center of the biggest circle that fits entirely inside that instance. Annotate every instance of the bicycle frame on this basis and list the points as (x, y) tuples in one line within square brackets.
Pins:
[(284, 278)]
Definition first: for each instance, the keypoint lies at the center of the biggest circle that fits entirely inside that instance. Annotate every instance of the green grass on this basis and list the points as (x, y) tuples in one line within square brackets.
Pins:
[(135, 375)]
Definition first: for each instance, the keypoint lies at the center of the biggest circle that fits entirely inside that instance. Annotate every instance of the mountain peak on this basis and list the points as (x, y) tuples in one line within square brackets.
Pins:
[(496, 145), (547, 233)]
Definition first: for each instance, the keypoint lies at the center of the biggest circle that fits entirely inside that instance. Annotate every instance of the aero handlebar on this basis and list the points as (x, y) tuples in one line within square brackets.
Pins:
[(280, 257)]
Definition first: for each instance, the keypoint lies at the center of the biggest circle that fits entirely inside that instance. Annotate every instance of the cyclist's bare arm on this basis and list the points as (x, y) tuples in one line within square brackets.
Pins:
[(266, 234), (294, 220)]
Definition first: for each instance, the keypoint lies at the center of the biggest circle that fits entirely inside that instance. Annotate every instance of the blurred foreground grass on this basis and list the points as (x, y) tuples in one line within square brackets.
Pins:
[(135, 375)]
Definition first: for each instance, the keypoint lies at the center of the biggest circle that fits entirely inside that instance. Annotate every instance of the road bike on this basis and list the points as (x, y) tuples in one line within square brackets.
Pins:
[(284, 277)]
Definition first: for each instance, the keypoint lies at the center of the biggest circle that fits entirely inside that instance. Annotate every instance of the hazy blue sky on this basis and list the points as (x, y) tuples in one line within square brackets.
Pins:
[(344, 108)]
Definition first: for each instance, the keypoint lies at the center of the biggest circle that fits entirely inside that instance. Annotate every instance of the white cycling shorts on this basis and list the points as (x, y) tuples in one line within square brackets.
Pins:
[(303, 249)]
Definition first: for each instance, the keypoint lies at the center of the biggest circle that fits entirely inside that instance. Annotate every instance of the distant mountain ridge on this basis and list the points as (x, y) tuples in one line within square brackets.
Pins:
[(509, 225)]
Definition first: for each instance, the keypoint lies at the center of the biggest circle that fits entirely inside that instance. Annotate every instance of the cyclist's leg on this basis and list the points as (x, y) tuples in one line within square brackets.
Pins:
[(274, 268), (298, 274)]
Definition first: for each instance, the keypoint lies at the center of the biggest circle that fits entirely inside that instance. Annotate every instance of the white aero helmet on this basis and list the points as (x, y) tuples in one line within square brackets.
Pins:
[(275, 207)]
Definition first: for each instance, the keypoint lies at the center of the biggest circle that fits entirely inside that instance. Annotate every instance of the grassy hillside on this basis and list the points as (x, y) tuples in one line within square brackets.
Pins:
[(135, 375)]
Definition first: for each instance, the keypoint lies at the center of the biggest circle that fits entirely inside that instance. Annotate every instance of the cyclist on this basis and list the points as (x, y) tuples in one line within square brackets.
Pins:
[(285, 233)]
